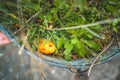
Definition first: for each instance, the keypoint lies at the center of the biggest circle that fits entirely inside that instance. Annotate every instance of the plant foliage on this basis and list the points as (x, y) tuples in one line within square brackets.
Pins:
[(45, 15)]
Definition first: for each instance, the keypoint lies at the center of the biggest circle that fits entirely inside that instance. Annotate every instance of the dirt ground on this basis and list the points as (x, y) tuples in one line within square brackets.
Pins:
[(24, 67)]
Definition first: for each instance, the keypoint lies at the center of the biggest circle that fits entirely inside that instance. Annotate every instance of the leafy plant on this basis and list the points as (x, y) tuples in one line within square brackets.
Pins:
[(48, 18)]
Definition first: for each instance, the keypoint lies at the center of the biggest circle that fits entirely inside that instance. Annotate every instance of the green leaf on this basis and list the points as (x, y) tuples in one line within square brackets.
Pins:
[(59, 3), (67, 52), (115, 22), (115, 29), (54, 10), (67, 57), (31, 6), (82, 32), (49, 17), (79, 48), (90, 36), (68, 47), (76, 32), (60, 42), (46, 21), (111, 8), (113, 2), (74, 40), (91, 44), (81, 4), (38, 39), (69, 14), (33, 32)]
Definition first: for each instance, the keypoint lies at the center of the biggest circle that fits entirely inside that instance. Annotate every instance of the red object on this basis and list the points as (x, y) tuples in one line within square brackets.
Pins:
[(3, 39)]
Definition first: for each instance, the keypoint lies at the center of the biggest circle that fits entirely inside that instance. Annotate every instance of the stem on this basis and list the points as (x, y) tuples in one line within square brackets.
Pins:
[(87, 25), (95, 34), (90, 68)]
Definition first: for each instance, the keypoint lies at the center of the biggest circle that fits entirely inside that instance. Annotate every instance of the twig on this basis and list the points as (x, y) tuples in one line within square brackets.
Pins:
[(90, 68), (87, 25), (33, 16), (20, 51), (21, 27)]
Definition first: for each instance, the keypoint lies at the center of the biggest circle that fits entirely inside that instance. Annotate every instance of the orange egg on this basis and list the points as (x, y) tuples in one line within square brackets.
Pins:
[(46, 47)]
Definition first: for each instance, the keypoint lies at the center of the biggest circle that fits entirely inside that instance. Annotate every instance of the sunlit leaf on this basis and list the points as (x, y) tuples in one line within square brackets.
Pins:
[(68, 48), (80, 49), (74, 40), (115, 22), (91, 44), (60, 42)]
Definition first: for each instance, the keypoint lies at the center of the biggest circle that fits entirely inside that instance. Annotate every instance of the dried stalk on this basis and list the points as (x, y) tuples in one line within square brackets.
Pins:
[(90, 68), (20, 51)]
